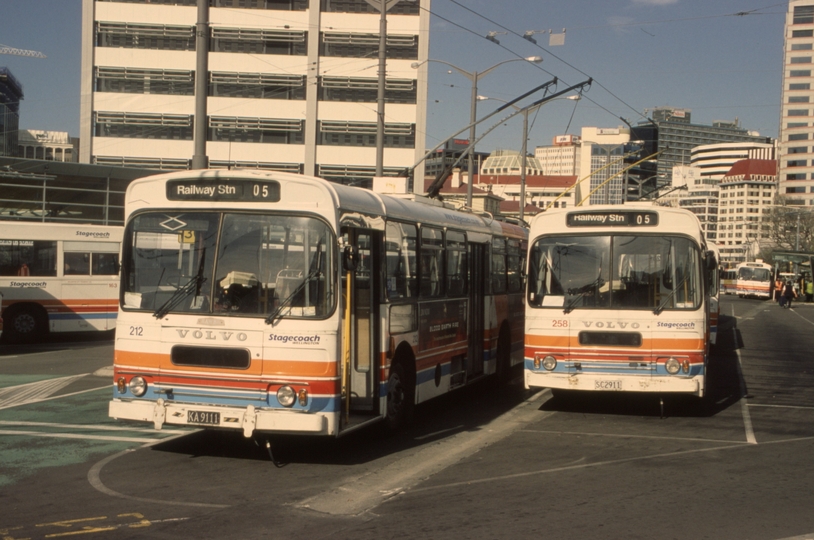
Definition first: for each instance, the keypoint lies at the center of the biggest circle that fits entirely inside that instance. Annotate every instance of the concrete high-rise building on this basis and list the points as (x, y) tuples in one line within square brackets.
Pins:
[(561, 158), (11, 93), (796, 169), (715, 160), (292, 85)]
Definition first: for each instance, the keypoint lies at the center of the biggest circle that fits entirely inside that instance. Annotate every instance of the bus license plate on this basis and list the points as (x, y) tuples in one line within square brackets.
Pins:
[(607, 385), (205, 418)]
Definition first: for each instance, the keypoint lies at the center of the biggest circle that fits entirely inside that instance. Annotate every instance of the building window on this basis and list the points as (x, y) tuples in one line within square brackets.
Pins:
[(797, 112), (801, 60), (256, 85), (800, 86), (798, 99), (365, 90), (144, 125), (259, 41), (145, 36), (282, 5), (351, 45), (800, 73), (796, 124), (340, 133), (803, 15), (255, 130), (361, 6), (796, 176), (802, 33), (796, 163), (145, 81), (796, 189), (798, 136), (798, 150), (801, 46)]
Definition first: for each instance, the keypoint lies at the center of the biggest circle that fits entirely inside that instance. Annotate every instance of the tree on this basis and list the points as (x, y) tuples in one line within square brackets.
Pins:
[(790, 225)]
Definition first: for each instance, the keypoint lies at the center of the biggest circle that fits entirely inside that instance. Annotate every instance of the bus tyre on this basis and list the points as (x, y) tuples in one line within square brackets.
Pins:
[(400, 399), (23, 325)]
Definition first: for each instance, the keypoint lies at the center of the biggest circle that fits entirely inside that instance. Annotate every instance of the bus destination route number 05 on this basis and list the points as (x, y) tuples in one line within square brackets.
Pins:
[(223, 189), (613, 219)]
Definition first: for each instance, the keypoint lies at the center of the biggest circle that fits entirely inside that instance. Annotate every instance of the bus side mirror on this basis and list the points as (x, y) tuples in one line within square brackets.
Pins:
[(350, 258), (710, 261)]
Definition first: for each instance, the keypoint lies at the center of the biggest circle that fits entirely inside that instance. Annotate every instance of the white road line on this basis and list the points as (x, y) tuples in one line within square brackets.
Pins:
[(747, 419), (25, 393), (362, 493), (77, 436), (96, 482), (598, 464), (92, 427), (782, 406), (626, 436), (106, 387)]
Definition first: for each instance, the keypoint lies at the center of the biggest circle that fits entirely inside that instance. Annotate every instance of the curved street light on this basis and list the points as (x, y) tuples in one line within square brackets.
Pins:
[(473, 76), (523, 148)]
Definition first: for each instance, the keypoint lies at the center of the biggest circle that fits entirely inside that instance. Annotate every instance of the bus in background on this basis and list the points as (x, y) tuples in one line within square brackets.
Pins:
[(618, 300), (714, 293), (729, 281), (279, 303), (754, 279), (58, 277)]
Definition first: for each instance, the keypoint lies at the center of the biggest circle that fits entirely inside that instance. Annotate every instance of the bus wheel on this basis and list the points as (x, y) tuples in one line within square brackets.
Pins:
[(400, 399), (23, 325)]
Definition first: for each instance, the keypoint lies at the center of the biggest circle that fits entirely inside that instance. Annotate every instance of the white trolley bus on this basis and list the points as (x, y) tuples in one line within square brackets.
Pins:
[(57, 277), (618, 300), (279, 303), (754, 279)]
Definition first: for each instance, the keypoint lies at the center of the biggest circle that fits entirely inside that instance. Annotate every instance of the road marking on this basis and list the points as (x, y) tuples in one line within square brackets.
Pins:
[(747, 419), (93, 427), (94, 477), (106, 387), (76, 436), (626, 436), (598, 464), (781, 406), (12, 396), (360, 494)]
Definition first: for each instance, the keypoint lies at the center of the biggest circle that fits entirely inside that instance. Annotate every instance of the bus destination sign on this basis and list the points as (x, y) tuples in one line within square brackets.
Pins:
[(223, 189), (622, 218)]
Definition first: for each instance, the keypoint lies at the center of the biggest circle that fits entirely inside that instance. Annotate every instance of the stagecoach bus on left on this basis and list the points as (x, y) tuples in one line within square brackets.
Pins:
[(58, 277), (268, 302)]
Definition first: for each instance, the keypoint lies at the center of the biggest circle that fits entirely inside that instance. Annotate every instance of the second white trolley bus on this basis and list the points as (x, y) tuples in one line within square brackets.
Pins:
[(58, 277), (618, 300), (280, 303), (754, 279)]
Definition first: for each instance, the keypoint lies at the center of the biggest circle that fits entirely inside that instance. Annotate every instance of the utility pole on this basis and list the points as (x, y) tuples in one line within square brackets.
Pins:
[(199, 157)]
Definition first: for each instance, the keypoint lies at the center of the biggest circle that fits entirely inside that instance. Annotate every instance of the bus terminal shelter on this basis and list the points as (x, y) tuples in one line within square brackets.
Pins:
[(59, 192), (797, 262)]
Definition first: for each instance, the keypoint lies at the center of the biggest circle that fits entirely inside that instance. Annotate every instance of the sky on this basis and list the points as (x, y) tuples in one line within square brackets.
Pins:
[(721, 59)]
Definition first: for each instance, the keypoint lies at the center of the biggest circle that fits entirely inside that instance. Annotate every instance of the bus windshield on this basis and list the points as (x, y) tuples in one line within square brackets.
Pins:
[(754, 274), (615, 272), (233, 264)]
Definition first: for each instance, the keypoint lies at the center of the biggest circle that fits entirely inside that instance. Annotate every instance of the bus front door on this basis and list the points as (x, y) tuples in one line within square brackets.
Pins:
[(361, 330)]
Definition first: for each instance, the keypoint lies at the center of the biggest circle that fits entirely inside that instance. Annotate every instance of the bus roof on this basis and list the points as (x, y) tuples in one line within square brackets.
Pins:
[(336, 202)]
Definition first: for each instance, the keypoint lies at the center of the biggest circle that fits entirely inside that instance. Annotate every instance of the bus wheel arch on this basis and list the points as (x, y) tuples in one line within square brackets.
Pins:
[(401, 383), (23, 322)]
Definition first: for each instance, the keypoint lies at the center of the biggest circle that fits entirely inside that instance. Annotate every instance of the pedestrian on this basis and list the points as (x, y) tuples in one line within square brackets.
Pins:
[(778, 290), (809, 290), (788, 294)]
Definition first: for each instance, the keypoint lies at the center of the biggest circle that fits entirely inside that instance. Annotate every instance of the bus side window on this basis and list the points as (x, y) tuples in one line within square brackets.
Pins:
[(77, 264), (104, 264)]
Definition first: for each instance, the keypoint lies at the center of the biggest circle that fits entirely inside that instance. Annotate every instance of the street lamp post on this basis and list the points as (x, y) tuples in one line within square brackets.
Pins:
[(523, 145), (474, 76)]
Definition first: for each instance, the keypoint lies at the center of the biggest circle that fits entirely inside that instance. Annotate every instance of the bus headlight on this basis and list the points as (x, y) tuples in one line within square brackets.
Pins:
[(138, 386), (672, 365), (549, 363), (286, 396)]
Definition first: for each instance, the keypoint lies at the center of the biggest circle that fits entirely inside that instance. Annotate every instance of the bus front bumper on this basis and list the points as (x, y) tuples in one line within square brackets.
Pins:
[(248, 419), (609, 383)]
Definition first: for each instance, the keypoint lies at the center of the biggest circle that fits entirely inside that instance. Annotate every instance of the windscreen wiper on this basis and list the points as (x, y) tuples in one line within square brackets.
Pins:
[(666, 301), (580, 293), (277, 313), (180, 294)]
